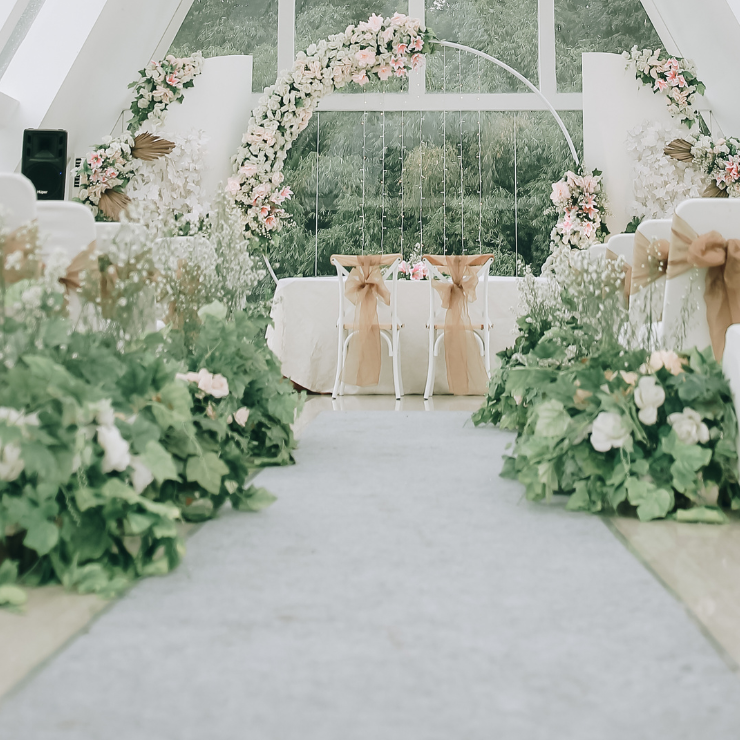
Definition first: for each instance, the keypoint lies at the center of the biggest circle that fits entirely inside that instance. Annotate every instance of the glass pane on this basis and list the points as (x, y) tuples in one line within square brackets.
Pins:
[(318, 19), (505, 29), (223, 27), (597, 25)]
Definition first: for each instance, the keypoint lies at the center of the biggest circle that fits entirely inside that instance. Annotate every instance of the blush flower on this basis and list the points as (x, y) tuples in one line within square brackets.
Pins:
[(365, 57), (361, 78), (384, 72), (375, 22)]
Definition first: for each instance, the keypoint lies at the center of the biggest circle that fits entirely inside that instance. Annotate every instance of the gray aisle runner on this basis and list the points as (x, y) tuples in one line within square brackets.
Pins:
[(398, 590)]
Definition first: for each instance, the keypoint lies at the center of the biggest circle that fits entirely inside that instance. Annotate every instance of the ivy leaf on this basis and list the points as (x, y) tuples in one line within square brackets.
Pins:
[(580, 500), (12, 596), (552, 420), (159, 462), (651, 502), (42, 536), (702, 514), (253, 499), (206, 470)]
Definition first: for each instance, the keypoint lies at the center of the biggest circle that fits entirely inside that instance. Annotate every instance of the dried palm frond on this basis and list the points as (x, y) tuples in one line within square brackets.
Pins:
[(713, 191), (679, 149), (112, 203), (149, 147)]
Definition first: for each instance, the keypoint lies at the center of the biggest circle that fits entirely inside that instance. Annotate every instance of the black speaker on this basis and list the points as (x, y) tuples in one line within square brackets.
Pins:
[(44, 161)]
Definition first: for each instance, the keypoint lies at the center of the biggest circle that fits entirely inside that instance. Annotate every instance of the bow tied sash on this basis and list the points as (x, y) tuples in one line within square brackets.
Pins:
[(364, 288), (650, 261), (721, 258), (466, 373)]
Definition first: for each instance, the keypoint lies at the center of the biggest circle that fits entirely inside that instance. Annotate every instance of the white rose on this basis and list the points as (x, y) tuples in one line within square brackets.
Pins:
[(649, 397), (689, 427), (219, 386), (609, 431), (241, 416), (141, 476), (115, 447), (11, 464)]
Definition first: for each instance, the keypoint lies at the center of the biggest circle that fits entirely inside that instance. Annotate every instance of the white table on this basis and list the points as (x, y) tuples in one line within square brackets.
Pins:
[(305, 335)]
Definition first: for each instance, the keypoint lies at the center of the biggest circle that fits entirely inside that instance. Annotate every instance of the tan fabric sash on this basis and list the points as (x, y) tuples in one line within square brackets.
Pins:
[(650, 261), (627, 274), (20, 246), (85, 261), (364, 287), (721, 257), (466, 373)]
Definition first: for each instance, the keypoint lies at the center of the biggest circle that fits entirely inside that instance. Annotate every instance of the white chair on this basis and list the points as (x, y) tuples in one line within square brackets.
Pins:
[(390, 325), (480, 321), (646, 302), (17, 201), (597, 252), (622, 245), (684, 310), (65, 225)]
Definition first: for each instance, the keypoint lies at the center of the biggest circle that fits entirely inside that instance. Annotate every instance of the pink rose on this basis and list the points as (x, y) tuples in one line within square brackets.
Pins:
[(361, 78), (375, 22), (365, 57), (384, 72), (233, 186)]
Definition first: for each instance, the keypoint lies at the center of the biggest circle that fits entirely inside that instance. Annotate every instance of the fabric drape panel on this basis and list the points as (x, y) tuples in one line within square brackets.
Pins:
[(650, 261), (721, 258), (466, 373), (627, 274), (364, 288)]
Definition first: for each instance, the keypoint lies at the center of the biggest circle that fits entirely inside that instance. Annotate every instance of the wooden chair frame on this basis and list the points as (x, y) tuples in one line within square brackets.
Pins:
[(392, 336), (436, 335)]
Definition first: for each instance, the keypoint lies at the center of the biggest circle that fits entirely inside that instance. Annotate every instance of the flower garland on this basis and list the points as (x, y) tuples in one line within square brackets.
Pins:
[(377, 49), (161, 84), (673, 77), (106, 171), (659, 183), (580, 202)]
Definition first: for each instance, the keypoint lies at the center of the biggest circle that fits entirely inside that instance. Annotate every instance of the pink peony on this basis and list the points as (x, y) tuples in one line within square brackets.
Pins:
[(361, 78), (375, 22), (384, 72), (365, 57)]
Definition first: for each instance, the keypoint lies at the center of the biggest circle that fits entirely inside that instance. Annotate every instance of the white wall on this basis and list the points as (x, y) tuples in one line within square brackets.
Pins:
[(74, 66), (614, 102)]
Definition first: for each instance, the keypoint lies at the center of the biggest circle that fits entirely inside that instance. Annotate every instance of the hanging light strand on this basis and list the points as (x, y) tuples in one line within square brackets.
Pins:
[(316, 213), (480, 175), (402, 158), (444, 153), (364, 157), (382, 181), (462, 193), (421, 183)]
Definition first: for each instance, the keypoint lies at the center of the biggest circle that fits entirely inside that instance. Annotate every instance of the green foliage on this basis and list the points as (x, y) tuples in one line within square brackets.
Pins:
[(102, 451)]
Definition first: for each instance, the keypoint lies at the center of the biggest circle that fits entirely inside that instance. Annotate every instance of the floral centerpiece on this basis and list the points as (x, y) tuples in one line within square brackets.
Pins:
[(378, 48), (580, 202), (612, 427), (673, 77)]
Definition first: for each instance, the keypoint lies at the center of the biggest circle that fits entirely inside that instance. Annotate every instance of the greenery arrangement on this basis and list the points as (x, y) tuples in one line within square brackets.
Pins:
[(110, 435), (614, 427)]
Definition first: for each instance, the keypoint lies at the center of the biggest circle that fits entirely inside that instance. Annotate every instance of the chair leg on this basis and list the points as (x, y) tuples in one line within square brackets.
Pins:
[(487, 341), (340, 363), (396, 383), (429, 390), (400, 364)]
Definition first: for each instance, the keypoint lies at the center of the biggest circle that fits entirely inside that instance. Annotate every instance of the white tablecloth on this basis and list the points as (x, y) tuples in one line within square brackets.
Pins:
[(305, 313)]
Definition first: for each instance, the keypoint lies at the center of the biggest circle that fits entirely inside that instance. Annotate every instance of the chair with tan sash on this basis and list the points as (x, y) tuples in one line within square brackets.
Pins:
[(65, 225), (17, 201), (647, 288), (19, 236), (702, 295), (359, 336), (453, 283)]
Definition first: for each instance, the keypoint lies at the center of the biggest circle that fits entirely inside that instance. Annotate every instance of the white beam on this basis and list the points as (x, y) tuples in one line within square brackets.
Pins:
[(546, 46), (10, 13), (171, 31), (286, 35)]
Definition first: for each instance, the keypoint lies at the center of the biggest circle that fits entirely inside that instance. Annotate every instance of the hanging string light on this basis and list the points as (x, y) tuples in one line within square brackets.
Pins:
[(480, 175), (421, 183), (382, 180), (444, 153), (462, 194), (364, 157), (402, 158), (316, 227), (516, 205)]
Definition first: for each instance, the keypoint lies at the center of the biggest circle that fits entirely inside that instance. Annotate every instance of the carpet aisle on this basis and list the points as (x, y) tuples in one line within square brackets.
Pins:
[(398, 590)]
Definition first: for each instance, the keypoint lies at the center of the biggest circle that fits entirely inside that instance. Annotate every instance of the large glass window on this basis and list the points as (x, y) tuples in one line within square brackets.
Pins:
[(597, 25), (410, 170), (223, 27)]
